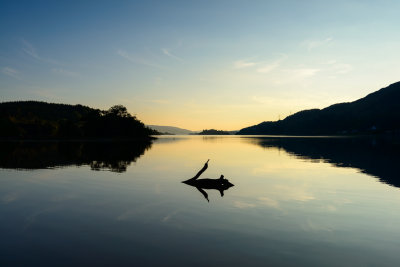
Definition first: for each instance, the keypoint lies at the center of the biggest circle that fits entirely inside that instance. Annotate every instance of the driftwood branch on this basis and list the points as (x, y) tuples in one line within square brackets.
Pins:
[(200, 172)]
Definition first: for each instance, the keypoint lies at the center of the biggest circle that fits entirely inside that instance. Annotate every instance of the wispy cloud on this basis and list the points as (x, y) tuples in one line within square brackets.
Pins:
[(169, 54), (241, 64), (268, 68), (125, 55), (312, 44), (10, 72), (304, 72), (64, 72), (262, 66), (300, 75), (340, 68), (343, 68), (30, 50), (137, 60)]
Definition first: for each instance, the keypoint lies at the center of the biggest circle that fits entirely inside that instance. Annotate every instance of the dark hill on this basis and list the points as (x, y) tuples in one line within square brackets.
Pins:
[(377, 112), (214, 132), (40, 120)]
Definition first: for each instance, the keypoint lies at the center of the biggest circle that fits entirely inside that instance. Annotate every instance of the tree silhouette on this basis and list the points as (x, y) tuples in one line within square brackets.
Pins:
[(118, 111)]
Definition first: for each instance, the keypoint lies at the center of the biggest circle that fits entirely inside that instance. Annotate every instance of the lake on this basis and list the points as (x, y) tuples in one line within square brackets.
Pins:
[(296, 201)]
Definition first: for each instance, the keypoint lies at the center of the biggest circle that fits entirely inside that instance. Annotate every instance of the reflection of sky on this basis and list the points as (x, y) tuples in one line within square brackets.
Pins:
[(198, 65), (286, 206)]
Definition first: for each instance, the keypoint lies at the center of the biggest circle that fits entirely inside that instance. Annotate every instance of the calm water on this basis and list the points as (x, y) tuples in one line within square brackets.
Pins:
[(295, 202)]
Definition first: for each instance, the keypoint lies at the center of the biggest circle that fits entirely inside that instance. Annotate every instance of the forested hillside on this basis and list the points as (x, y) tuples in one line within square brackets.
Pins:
[(40, 120), (378, 112)]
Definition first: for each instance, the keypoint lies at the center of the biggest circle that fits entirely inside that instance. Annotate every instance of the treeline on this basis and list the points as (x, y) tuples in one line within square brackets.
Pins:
[(214, 132), (378, 112), (41, 120)]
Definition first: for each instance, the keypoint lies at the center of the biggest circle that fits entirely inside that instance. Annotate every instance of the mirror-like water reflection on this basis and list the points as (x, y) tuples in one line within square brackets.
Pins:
[(295, 201), (374, 156), (106, 155)]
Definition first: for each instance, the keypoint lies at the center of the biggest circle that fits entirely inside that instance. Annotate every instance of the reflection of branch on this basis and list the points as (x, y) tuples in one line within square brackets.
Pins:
[(204, 193), (221, 191)]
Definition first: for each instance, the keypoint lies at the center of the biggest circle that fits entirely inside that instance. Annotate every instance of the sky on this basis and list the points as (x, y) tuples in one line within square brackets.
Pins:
[(199, 64)]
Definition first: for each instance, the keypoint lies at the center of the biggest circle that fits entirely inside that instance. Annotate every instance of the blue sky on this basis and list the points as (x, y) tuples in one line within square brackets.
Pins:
[(198, 64)]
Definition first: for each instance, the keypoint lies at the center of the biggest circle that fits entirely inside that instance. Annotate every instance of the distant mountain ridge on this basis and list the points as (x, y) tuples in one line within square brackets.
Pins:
[(377, 112), (170, 129)]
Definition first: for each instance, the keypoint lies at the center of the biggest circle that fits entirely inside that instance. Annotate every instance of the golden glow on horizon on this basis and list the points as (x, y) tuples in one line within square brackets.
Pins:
[(232, 108), (225, 116)]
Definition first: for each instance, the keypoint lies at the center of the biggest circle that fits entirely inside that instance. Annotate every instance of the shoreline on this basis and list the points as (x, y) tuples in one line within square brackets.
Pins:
[(149, 139)]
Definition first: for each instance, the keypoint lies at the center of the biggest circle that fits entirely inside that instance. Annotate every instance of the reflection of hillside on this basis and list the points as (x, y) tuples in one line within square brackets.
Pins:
[(113, 156), (374, 156)]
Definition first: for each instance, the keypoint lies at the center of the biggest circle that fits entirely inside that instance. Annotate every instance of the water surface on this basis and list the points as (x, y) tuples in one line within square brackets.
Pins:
[(295, 202)]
